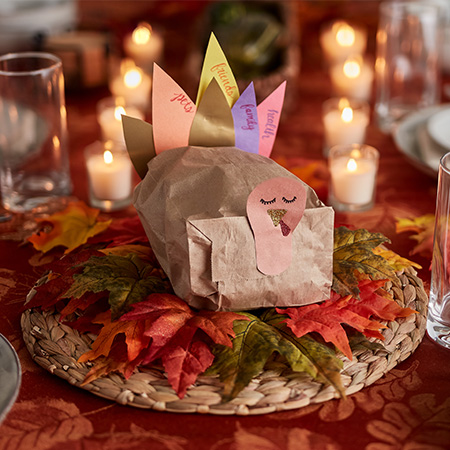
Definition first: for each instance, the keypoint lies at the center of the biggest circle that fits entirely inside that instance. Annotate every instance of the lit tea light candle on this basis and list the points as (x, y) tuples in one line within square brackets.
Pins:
[(132, 83), (144, 45), (110, 175), (352, 78), (345, 121), (339, 40), (353, 170), (109, 115)]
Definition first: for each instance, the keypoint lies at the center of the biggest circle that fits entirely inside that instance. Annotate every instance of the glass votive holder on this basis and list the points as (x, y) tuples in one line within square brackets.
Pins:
[(353, 170), (340, 39), (109, 116), (345, 121), (109, 172), (130, 82), (353, 78)]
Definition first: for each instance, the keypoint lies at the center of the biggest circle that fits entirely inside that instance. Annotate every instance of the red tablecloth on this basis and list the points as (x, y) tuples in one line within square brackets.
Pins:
[(408, 408)]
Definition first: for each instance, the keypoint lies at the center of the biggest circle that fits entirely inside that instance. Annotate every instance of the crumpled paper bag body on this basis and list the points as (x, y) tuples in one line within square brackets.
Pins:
[(192, 204)]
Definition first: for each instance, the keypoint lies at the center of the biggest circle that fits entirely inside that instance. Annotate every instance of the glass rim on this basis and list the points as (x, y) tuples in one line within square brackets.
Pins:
[(444, 163), (393, 8), (343, 149), (56, 62)]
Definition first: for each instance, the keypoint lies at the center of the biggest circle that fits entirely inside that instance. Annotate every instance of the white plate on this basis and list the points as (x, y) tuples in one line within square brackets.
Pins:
[(10, 376), (406, 138), (439, 128)]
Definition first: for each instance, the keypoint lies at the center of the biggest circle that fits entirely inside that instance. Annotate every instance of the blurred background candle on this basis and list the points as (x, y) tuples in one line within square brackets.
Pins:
[(144, 45), (110, 175), (131, 83), (345, 121), (339, 40), (353, 78), (109, 116), (353, 170)]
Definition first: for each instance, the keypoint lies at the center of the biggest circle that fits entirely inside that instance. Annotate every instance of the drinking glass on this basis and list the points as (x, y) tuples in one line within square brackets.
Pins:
[(407, 66), (34, 160), (438, 323)]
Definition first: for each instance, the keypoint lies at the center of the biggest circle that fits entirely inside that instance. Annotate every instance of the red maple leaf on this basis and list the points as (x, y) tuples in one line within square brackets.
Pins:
[(327, 317), (164, 327), (60, 279)]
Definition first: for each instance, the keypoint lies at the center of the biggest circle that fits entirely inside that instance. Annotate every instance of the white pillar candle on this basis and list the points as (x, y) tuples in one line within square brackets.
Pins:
[(345, 121), (132, 83), (340, 40), (353, 78), (353, 172), (144, 45), (109, 116), (109, 172)]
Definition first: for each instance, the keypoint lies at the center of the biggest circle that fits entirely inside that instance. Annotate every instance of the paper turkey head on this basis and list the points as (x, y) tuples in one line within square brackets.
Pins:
[(274, 209)]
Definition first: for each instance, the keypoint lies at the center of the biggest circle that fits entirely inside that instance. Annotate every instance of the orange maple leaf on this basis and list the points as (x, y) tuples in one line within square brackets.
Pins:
[(69, 228), (161, 327), (423, 229), (326, 318)]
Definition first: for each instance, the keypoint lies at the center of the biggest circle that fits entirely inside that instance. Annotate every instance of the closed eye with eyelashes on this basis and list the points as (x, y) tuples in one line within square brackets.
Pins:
[(292, 200), (268, 202)]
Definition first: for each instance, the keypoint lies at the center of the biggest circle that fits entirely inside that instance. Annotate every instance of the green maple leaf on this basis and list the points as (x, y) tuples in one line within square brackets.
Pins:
[(255, 342), (353, 251), (127, 279)]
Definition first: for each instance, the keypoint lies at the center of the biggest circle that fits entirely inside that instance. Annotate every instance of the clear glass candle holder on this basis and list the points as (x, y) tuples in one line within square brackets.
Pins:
[(109, 117), (345, 121), (353, 170), (109, 172)]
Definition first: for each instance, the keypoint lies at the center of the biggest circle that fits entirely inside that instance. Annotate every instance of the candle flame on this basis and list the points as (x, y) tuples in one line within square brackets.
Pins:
[(351, 68), (132, 78), (108, 157), (142, 34), (343, 103), (345, 35), (347, 114), (351, 165), (118, 111)]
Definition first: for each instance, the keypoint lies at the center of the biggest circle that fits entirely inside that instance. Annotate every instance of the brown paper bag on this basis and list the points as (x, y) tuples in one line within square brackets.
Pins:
[(192, 204)]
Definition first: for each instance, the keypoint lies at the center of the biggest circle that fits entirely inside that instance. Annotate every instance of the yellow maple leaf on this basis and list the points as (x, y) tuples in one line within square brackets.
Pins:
[(70, 228), (423, 229), (397, 262)]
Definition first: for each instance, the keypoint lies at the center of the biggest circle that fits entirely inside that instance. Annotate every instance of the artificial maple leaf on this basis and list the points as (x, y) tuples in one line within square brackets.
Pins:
[(144, 252), (254, 343), (164, 326), (59, 279), (423, 227), (353, 252), (396, 261), (127, 279), (122, 232), (327, 317), (69, 228)]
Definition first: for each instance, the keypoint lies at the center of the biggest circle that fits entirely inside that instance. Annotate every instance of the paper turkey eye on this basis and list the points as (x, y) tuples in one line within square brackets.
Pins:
[(268, 202), (292, 200)]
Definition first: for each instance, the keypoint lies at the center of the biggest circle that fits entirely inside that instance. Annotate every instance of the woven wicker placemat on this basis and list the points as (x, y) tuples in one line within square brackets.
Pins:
[(57, 347)]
